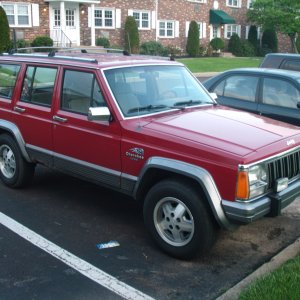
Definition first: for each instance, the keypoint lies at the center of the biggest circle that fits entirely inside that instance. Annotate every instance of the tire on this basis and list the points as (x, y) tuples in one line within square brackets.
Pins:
[(178, 220), (15, 172)]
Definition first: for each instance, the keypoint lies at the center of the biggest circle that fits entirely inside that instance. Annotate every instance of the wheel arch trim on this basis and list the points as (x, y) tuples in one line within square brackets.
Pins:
[(14, 130), (199, 174)]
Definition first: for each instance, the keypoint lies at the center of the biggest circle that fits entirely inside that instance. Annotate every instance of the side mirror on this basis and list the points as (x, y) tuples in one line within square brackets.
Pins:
[(214, 96), (99, 114)]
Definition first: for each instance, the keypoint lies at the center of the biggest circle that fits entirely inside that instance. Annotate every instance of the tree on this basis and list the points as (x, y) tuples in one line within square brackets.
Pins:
[(282, 15), (269, 40), (4, 31), (192, 45), (252, 36), (132, 40)]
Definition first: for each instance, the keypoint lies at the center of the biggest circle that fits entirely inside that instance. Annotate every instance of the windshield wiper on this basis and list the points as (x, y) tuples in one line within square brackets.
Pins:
[(147, 107), (187, 103)]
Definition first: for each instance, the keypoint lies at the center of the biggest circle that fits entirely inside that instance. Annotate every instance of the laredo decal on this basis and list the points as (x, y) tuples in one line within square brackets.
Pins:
[(135, 153)]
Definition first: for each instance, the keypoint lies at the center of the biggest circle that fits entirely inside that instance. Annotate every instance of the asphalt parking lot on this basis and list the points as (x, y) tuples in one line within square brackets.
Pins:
[(78, 217)]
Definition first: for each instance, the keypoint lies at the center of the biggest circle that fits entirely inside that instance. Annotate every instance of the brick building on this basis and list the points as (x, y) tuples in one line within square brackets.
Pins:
[(81, 22)]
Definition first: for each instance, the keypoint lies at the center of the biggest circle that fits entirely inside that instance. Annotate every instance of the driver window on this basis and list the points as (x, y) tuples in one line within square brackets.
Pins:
[(80, 92)]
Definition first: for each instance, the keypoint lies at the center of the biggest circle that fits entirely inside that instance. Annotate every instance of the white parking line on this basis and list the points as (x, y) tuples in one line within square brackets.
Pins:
[(83, 267)]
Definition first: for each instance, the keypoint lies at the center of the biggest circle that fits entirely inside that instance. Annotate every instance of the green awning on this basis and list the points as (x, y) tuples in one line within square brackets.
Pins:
[(220, 17)]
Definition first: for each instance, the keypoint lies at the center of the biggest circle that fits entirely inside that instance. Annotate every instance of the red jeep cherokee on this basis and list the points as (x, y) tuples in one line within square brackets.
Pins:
[(147, 128)]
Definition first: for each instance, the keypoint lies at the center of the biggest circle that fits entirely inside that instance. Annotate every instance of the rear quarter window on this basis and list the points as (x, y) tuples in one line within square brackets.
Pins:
[(8, 76), (291, 65)]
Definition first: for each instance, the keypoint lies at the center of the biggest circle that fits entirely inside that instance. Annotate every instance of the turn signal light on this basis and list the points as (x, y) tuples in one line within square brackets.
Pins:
[(243, 189)]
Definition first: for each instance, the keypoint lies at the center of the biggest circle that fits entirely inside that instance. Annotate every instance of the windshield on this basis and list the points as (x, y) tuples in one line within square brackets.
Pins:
[(147, 89)]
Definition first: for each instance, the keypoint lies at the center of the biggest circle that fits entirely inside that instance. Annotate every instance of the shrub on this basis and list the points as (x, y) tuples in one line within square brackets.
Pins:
[(132, 40), (4, 31), (153, 48), (247, 49), (234, 45), (252, 37), (42, 41), (192, 45), (217, 44), (269, 40), (103, 41)]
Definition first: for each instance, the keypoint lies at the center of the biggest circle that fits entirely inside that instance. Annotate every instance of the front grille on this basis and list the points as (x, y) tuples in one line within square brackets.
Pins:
[(285, 166)]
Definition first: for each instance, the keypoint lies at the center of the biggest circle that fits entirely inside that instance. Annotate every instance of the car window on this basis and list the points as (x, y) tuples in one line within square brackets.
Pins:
[(280, 93), (239, 87), (147, 89), (291, 65), (38, 85), (8, 76), (80, 92)]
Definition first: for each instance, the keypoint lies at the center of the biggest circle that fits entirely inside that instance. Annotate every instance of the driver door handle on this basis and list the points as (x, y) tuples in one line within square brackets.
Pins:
[(60, 119)]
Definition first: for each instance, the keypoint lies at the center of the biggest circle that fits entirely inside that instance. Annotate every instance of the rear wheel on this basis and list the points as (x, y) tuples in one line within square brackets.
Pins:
[(14, 170), (178, 220)]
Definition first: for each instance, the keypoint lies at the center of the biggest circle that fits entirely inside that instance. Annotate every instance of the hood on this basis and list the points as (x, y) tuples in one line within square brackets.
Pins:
[(224, 128)]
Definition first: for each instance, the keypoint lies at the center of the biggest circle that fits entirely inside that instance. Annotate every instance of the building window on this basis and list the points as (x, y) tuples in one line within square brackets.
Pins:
[(18, 15), (231, 29), (142, 19), (249, 4), (233, 3), (166, 29), (104, 18), (70, 17), (57, 17)]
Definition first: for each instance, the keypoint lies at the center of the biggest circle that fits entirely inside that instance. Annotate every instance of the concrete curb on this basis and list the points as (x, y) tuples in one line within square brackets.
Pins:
[(279, 259)]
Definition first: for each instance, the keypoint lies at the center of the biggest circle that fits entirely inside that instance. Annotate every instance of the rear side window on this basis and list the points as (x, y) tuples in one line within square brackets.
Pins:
[(291, 65), (8, 76), (238, 87), (38, 85), (280, 93), (80, 92)]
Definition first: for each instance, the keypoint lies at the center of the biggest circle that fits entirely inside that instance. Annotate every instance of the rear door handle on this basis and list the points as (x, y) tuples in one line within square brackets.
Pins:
[(60, 119), (19, 109)]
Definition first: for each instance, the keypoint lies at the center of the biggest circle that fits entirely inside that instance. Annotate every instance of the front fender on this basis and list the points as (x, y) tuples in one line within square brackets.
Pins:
[(196, 173)]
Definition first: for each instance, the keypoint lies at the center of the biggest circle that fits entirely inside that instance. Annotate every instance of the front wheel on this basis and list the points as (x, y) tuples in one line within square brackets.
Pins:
[(14, 170), (178, 220)]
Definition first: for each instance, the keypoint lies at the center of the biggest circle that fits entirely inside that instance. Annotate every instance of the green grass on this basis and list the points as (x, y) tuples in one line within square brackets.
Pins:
[(282, 284), (218, 64)]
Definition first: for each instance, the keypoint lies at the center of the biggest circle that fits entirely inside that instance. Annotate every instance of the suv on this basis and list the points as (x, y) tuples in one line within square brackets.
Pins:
[(281, 61), (147, 128)]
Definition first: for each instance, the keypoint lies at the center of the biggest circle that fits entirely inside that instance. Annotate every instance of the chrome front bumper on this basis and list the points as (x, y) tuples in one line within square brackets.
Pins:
[(269, 205)]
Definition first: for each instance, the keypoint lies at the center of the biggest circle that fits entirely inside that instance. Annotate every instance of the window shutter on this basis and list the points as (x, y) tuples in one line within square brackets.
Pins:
[(225, 31), (247, 32), (35, 14), (176, 28), (203, 30), (89, 16), (153, 19), (187, 26), (130, 12), (240, 3), (157, 28), (239, 30), (118, 18)]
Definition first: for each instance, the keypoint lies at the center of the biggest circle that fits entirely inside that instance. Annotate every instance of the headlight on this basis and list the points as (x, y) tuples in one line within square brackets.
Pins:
[(252, 182)]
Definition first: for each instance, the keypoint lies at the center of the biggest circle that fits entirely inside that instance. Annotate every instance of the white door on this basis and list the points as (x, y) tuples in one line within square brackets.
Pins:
[(72, 22), (64, 24), (215, 31)]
